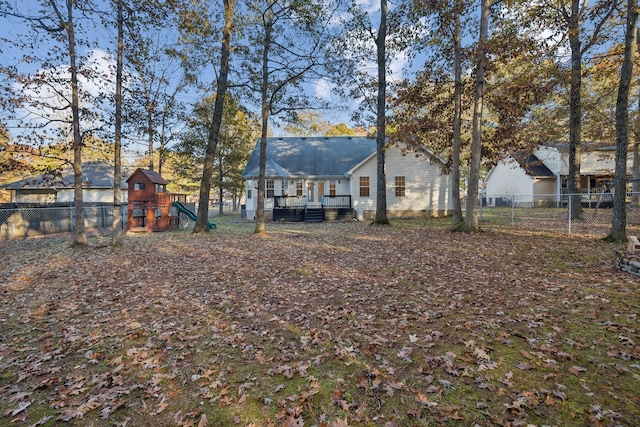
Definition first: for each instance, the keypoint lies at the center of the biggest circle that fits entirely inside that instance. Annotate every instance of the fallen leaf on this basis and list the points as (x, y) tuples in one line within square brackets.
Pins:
[(203, 421), (576, 370), (525, 366)]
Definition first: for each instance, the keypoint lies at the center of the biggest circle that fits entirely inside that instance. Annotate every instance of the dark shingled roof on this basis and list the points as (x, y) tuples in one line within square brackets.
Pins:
[(534, 167), (310, 156), (95, 174), (152, 176)]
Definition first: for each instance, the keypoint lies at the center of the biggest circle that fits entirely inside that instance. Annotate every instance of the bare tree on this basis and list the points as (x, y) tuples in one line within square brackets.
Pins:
[(57, 20), (618, 225), (116, 237), (456, 218), (288, 42), (583, 25), (471, 213), (213, 135)]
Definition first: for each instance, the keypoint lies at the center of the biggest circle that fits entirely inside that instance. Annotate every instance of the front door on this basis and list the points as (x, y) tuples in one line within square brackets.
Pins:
[(320, 191), (310, 192)]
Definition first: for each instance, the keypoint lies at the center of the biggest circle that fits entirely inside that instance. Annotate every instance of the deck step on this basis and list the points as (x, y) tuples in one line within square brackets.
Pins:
[(314, 215)]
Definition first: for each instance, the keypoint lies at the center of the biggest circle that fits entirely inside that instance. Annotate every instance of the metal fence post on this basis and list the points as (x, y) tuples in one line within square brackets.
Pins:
[(570, 213)]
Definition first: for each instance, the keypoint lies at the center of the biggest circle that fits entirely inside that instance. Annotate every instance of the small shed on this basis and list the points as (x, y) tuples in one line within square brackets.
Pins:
[(150, 206)]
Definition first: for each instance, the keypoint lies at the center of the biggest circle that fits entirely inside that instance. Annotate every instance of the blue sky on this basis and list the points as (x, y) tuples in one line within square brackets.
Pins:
[(14, 29)]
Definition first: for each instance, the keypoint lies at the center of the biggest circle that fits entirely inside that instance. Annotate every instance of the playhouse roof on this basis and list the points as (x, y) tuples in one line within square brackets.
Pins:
[(150, 175)]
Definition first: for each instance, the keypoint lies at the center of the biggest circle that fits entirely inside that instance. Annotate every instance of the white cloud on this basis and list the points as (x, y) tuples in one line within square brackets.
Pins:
[(369, 6), (398, 66), (50, 101), (323, 89)]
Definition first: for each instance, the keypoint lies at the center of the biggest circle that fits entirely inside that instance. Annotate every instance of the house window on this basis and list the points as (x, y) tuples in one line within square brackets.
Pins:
[(160, 188), (299, 189), (364, 186), (400, 186), (332, 187), (270, 189), (248, 193), (138, 186)]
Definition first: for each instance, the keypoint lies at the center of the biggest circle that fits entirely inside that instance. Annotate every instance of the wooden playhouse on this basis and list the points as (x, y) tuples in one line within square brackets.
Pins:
[(150, 206)]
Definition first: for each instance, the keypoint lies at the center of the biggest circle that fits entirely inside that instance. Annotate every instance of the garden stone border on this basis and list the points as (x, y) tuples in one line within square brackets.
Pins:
[(628, 263)]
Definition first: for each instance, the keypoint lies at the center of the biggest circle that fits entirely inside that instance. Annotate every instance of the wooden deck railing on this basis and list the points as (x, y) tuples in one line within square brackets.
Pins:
[(168, 198), (280, 202), (337, 201)]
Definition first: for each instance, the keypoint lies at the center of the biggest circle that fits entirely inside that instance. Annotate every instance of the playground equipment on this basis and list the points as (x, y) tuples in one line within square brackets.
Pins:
[(151, 207), (190, 214)]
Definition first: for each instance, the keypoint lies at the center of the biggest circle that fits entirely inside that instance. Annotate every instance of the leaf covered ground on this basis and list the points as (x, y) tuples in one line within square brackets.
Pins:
[(334, 324)]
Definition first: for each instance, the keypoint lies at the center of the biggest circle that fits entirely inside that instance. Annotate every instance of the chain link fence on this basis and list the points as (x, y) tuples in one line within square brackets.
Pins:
[(592, 218), (504, 211), (24, 221)]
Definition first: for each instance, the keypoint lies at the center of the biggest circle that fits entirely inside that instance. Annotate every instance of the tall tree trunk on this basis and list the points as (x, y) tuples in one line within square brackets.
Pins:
[(150, 133), (575, 112), (457, 118), (471, 214), (79, 234), (264, 96), (635, 186), (381, 193), (202, 220), (116, 228), (163, 143), (220, 189), (618, 225)]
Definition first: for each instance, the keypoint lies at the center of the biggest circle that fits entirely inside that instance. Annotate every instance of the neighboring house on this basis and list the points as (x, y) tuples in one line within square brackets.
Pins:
[(540, 179), (97, 185), (336, 178)]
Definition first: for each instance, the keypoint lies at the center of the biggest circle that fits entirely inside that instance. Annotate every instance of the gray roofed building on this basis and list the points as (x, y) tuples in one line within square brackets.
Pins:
[(97, 184), (337, 177), (94, 174), (541, 178)]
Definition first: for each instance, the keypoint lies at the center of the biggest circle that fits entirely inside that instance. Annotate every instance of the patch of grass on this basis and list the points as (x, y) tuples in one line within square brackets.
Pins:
[(323, 322)]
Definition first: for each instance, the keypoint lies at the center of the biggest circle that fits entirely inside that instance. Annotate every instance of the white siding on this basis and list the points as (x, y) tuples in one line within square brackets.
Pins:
[(427, 190), (35, 197), (545, 191), (251, 203), (508, 179), (90, 195), (366, 169), (66, 195)]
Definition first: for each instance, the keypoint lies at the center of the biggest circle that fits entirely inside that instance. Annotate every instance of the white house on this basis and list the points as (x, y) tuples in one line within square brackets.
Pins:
[(97, 186), (336, 178), (541, 178)]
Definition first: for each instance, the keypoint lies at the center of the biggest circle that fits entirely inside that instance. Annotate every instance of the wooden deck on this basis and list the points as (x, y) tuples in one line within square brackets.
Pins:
[(296, 209)]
